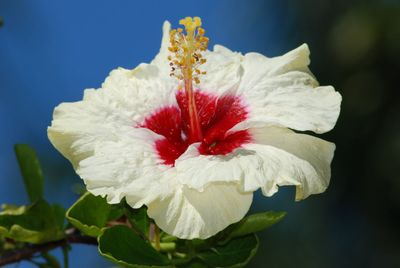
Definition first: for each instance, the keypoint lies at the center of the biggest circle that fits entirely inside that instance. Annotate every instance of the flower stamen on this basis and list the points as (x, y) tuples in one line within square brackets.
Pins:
[(185, 61)]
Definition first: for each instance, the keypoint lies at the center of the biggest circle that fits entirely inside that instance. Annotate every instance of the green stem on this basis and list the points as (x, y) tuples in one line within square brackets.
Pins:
[(165, 247), (157, 237)]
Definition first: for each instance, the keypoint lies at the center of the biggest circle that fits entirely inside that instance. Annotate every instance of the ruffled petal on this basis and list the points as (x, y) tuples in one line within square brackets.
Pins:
[(281, 168), (190, 214), (138, 92), (125, 98), (259, 68), (127, 167), (161, 60), (277, 157), (291, 159), (199, 171), (224, 71), (282, 91)]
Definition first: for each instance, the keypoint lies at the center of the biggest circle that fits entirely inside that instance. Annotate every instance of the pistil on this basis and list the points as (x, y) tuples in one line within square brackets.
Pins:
[(186, 59)]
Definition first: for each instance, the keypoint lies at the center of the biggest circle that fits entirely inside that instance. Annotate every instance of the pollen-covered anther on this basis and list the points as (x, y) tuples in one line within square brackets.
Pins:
[(186, 47)]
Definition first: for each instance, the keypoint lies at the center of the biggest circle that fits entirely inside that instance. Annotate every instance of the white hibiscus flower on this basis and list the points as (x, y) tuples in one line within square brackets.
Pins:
[(195, 153)]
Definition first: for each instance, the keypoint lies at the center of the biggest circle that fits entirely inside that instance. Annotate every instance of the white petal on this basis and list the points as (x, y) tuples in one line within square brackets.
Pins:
[(257, 67), (161, 60), (278, 157), (77, 127), (124, 100), (190, 214), (317, 152), (138, 92), (198, 171), (291, 159), (281, 91), (128, 167), (223, 69)]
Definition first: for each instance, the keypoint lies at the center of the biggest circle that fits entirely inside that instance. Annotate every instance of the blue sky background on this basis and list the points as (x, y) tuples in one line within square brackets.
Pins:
[(50, 51)]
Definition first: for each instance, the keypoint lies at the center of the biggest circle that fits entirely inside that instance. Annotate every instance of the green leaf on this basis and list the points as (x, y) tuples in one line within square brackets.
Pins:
[(123, 246), (31, 171), (236, 253), (196, 264), (59, 215), (12, 209), (138, 218), (37, 223), (255, 223), (90, 214)]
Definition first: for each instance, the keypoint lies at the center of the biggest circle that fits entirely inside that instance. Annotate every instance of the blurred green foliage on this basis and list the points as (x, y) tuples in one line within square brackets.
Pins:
[(355, 46)]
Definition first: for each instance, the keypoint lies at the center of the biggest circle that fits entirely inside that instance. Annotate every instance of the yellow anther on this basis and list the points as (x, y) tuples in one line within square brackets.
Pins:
[(197, 21), (185, 47), (201, 31), (190, 23)]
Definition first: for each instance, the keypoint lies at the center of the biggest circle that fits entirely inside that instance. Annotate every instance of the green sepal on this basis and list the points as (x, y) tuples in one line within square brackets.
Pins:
[(37, 223), (138, 219), (90, 214), (123, 246), (116, 212), (31, 171)]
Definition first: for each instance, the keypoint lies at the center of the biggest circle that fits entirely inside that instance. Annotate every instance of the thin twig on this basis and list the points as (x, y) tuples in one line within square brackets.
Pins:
[(72, 237)]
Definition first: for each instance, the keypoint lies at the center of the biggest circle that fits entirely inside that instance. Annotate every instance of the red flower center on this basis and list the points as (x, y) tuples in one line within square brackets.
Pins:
[(216, 116)]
